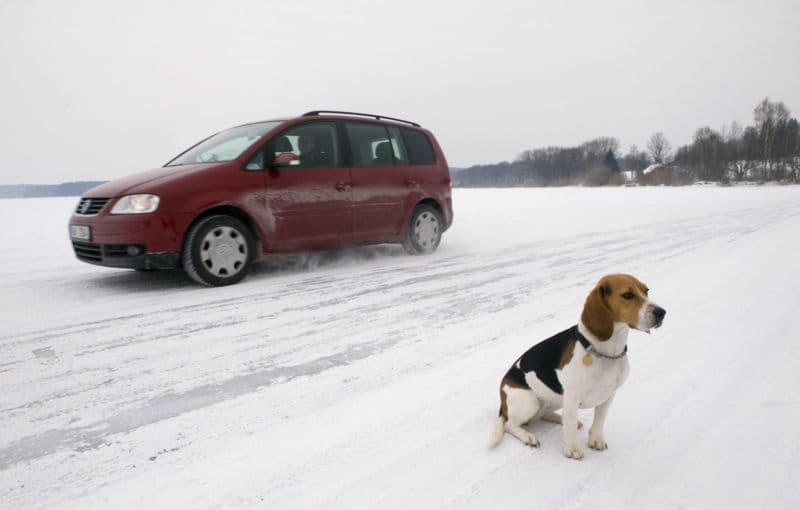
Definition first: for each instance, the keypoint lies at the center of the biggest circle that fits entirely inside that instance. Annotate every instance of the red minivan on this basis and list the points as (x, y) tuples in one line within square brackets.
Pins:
[(321, 180)]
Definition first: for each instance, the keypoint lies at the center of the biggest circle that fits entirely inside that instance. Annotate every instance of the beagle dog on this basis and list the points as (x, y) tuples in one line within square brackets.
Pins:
[(581, 367)]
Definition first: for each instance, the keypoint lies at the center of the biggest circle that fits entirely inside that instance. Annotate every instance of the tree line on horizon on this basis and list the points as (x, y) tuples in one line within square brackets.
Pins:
[(766, 150), (65, 189)]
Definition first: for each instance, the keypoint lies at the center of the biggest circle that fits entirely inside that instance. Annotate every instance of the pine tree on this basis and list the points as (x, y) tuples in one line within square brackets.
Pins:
[(611, 161)]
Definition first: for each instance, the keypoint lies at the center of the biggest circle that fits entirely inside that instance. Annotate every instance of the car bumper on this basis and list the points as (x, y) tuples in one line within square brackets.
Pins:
[(131, 241), (125, 256)]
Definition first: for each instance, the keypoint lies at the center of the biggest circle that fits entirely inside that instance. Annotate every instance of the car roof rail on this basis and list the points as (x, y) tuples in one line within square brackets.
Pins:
[(379, 117)]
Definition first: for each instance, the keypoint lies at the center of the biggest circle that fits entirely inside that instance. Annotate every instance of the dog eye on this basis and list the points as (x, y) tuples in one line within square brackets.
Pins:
[(628, 295)]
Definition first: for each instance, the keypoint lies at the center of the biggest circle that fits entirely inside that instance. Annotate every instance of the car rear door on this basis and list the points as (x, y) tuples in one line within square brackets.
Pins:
[(380, 183)]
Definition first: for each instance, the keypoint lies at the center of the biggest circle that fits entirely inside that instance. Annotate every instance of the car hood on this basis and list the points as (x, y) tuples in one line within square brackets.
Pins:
[(147, 181)]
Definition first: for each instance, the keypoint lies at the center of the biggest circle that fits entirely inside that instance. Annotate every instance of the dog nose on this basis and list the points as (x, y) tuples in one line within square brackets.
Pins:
[(659, 313)]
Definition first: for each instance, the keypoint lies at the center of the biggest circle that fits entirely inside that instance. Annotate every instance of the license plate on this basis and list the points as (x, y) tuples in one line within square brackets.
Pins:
[(80, 232)]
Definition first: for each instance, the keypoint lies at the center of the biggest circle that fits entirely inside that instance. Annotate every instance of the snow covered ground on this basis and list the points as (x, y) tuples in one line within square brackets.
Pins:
[(365, 378)]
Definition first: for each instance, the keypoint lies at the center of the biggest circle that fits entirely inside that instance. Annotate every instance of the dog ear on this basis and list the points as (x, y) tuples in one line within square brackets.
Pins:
[(596, 314)]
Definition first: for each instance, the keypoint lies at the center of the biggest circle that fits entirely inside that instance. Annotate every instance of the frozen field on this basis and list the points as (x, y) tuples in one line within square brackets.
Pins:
[(368, 379)]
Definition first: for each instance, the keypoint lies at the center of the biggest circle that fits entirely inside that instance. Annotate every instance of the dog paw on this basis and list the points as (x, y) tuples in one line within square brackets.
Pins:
[(597, 443), (573, 452), (532, 441)]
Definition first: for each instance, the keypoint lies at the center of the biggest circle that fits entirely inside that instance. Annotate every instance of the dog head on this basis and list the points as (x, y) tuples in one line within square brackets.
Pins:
[(620, 298)]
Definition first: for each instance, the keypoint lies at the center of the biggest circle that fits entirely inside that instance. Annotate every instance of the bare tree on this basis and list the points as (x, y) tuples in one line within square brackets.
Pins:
[(767, 116), (600, 146), (734, 153), (659, 148), (635, 160), (708, 152), (731, 132)]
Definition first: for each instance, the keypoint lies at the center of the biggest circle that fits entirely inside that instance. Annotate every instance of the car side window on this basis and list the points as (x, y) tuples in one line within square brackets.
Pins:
[(256, 162), (314, 144), (370, 144), (419, 147), (398, 146)]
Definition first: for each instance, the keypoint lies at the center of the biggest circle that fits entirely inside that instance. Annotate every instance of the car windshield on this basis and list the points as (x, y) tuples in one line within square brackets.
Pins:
[(226, 145)]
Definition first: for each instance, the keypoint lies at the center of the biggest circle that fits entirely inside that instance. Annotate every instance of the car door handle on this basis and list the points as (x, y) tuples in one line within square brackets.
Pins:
[(342, 186)]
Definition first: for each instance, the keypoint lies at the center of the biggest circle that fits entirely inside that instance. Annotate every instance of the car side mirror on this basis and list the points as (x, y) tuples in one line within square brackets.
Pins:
[(285, 159)]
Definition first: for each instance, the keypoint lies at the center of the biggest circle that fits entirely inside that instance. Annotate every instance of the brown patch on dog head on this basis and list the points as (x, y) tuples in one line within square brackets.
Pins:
[(566, 354), (503, 407), (616, 298)]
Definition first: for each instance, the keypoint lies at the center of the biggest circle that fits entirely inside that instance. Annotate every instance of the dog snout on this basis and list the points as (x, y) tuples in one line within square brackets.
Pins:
[(658, 314)]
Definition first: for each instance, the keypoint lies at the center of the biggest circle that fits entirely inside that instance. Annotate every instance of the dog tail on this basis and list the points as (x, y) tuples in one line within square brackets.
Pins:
[(497, 432)]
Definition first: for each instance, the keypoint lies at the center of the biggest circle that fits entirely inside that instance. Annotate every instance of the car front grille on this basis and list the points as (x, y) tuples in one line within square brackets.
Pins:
[(90, 206), (88, 251)]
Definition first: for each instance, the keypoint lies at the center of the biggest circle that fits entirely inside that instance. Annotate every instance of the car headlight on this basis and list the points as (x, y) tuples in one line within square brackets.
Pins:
[(136, 204)]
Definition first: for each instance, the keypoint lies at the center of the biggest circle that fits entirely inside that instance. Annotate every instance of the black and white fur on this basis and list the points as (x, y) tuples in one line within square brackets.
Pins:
[(553, 375)]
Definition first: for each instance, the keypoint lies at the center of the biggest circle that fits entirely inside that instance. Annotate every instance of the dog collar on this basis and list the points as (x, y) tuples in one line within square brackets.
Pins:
[(587, 345)]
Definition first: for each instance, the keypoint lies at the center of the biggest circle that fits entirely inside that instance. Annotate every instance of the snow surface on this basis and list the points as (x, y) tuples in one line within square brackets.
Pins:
[(366, 378)]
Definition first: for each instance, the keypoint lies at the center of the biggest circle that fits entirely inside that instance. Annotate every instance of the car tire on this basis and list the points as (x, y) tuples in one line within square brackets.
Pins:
[(424, 230), (218, 251)]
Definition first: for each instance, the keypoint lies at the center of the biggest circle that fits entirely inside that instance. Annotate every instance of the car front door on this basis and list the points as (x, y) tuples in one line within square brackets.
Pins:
[(309, 200)]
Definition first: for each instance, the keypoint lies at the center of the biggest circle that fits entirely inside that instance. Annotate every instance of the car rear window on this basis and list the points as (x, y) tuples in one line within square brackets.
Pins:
[(370, 144), (419, 148)]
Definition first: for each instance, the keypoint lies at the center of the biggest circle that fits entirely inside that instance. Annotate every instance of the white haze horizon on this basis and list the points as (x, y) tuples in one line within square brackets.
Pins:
[(95, 90)]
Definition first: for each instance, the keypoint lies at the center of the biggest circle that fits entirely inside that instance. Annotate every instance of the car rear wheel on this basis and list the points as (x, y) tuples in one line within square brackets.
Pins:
[(218, 251), (424, 230)]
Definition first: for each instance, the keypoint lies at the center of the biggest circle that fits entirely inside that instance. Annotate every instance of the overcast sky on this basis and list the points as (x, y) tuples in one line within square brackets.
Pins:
[(97, 89)]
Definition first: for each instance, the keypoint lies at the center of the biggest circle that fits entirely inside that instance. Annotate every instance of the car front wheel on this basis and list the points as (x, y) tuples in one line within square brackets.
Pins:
[(218, 251), (424, 230)]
